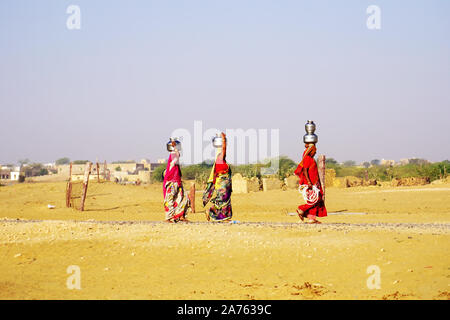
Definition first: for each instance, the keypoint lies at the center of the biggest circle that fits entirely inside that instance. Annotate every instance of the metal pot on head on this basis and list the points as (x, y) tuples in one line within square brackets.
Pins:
[(217, 141), (310, 136), (170, 146)]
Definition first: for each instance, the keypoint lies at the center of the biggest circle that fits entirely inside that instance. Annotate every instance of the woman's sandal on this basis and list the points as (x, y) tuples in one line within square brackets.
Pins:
[(183, 219), (300, 215)]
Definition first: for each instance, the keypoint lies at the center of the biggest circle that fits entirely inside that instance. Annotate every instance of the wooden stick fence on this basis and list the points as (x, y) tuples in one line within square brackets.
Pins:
[(321, 168)]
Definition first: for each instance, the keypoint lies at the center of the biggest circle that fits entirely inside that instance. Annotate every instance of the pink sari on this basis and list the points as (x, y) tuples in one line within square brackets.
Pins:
[(171, 175), (176, 203)]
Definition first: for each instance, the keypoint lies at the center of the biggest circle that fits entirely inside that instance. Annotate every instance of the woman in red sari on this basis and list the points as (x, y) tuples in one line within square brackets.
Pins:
[(310, 187)]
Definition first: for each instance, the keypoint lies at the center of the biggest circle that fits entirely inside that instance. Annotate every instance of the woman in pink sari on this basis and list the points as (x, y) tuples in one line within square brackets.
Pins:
[(176, 201)]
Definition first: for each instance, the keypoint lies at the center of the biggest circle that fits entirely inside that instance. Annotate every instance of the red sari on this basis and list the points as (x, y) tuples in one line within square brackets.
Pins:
[(317, 209)]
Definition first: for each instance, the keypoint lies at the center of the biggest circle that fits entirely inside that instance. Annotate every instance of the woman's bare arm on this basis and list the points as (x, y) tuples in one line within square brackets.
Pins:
[(305, 173), (224, 146), (176, 157)]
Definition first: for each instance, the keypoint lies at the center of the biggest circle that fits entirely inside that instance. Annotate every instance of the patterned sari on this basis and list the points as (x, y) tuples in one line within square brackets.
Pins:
[(176, 202), (219, 181)]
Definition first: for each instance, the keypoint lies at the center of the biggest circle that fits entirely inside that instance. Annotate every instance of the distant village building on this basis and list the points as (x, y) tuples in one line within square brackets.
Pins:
[(15, 175), (5, 174), (418, 161), (153, 166), (11, 173), (119, 171), (413, 161), (388, 163), (404, 161)]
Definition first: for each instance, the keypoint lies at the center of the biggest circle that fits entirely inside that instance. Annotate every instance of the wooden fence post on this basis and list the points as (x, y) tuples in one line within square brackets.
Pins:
[(192, 197), (321, 159), (69, 188), (87, 172), (105, 172)]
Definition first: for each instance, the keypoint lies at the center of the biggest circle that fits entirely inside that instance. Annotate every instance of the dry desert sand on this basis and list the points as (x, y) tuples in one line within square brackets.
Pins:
[(125, 251)]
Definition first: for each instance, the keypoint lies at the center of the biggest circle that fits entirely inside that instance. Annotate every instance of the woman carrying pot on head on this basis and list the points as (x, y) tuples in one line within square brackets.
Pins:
[(176, 202), (310, 187), (220, 181)]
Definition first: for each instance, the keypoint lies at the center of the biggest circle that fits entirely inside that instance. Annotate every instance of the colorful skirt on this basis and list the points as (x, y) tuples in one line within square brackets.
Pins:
[(221, 208), (176, 202)]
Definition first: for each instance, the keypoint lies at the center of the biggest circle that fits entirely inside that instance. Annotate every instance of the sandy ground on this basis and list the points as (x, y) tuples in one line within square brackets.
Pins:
[(267, 254)]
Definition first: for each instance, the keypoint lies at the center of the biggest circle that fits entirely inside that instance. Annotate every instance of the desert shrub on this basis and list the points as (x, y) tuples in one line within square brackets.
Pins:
[(61, 161), (349, 163), (80, 161), (201, 177), (379, 173), (247, 170), (199, 172), (157, 174), (344, 171), (123, 161), (432, 171), (287, 167)]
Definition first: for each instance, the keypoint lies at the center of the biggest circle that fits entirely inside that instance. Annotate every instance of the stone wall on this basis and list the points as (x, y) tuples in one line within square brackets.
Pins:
[(245, 185), (253, 184), (291, 182), (239, 183), (350, 181), (144, 176), (411, 181), (271, 184), (64, 169)]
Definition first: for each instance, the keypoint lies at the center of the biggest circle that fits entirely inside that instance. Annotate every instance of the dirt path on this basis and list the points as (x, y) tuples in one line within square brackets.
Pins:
[(432, 227)]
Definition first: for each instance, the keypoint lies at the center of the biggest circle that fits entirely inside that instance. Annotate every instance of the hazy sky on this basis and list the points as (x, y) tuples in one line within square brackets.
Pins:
[(137, 70)]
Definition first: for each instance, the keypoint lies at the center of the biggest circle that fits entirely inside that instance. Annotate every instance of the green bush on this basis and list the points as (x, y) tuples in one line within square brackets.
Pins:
[(80, 161), (157, 173), (247, 170), (200, 172), (433, 171), (61, 161)]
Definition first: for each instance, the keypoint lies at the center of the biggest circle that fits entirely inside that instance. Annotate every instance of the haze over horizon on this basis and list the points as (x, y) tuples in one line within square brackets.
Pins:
[(117, 88)]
